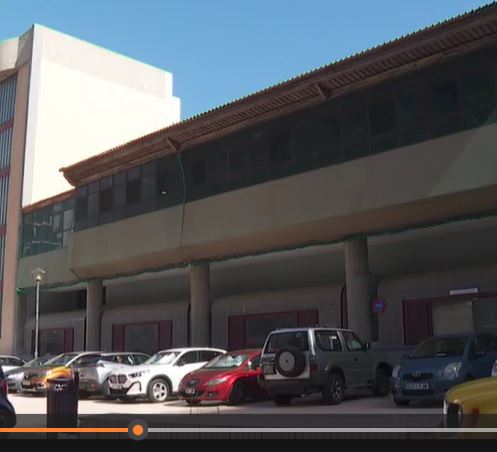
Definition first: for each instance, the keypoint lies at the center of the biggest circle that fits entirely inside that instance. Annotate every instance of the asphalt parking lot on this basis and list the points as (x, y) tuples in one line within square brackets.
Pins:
[(353, 404)]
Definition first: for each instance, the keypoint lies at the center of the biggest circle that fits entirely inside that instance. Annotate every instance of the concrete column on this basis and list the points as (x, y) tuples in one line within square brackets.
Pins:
[(358, 278), (94, 304), (200, 306)]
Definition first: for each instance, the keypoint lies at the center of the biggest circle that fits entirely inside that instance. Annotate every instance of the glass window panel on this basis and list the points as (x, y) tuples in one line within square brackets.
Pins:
[(199, 172), (149, 190), (237, 161), (93, 187), (57, 223), (119, 196), (58, 207), (280, 148), (382, 117), (445, 98), (68, 219), (162, 183), (485, 313), (355, 127), (93, 199), (133, 191), (106, 182), (105, 200), (133, 173), (81, 208), (119, 178)]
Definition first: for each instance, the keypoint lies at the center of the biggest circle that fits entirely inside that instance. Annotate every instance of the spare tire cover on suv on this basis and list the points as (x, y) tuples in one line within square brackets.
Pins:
[(289, 362)]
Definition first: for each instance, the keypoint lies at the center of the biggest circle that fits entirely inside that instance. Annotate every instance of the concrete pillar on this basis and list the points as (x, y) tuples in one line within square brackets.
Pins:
[(94, 304), (200, 306), (358, 278)]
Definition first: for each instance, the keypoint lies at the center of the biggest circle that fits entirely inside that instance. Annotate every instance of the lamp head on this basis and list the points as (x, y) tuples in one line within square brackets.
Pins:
[(38, 274)]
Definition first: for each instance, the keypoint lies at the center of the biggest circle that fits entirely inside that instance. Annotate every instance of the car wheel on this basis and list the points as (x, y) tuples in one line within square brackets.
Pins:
[(237, 394), (381, 386), (282, 399), (6, 421), (400, 402), (158, 390), (333, 392), (192, 402)]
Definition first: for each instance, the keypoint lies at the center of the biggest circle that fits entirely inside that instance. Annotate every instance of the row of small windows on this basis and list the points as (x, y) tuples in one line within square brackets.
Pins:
[(428, 104)]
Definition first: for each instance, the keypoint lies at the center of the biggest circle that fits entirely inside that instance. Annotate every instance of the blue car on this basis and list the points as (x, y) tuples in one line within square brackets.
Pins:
[(441, 362)]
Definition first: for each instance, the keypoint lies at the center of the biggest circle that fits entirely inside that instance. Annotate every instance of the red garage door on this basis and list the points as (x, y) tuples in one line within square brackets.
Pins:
[(246, 331)]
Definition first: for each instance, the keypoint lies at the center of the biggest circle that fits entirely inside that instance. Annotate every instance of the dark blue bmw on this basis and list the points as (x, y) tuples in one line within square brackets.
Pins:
[(441, 362)]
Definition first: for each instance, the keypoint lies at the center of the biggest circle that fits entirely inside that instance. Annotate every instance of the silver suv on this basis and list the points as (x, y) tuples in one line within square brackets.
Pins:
[(299, 361)]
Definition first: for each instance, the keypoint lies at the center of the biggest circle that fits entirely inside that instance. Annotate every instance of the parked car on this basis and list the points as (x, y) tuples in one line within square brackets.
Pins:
[(494, 369), (159, 377), (230, 378), (9, 362), (441, 362), (7, 412), (34, 379), (14, 376), (95, 372), (298, 361)]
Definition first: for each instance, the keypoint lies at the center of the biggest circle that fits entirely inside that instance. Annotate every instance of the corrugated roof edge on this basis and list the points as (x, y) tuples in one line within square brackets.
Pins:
[(279, 85)]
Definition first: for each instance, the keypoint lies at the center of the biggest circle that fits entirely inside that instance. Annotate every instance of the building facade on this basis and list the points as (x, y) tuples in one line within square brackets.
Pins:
[(63, 100), (367, 183)]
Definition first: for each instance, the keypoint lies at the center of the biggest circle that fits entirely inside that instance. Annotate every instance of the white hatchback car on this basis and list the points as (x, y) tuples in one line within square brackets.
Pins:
[(159, 377)]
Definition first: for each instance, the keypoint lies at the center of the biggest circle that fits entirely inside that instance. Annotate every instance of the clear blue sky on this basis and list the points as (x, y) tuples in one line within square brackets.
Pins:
[(219, 50)]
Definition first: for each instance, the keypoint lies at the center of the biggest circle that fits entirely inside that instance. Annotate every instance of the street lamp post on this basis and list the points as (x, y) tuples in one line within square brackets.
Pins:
[(38, 276)]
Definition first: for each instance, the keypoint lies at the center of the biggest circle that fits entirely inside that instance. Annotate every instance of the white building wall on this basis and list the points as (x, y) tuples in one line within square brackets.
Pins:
[(85, 100)]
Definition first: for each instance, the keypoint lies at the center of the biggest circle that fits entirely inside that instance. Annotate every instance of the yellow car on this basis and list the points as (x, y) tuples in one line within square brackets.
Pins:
[(468, 404)]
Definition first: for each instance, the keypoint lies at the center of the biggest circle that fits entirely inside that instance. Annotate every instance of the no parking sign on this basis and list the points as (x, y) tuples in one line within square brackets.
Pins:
[(378, 306)]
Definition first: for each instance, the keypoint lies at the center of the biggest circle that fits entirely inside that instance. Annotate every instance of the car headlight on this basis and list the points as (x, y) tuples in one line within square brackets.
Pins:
[(138, 374), (494, 369), (216, 381), (451, 371), (395, 371)]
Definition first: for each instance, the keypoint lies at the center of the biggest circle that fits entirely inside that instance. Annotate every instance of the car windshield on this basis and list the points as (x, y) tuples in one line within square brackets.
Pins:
[(37, 362), (228, 361), (162, 358), (298, 339), (61, 360), (440, 347)]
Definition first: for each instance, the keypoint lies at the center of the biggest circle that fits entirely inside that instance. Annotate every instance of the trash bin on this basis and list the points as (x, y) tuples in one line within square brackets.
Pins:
[(62, 403)]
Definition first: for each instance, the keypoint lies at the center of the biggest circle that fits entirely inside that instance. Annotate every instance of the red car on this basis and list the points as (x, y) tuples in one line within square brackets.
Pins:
[(229, 378)]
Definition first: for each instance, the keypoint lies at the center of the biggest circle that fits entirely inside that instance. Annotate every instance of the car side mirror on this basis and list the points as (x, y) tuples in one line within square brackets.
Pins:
[(366, 346)]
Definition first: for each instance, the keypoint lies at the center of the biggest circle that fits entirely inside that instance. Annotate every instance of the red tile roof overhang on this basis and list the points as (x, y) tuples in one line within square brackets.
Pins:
[(456, 36)]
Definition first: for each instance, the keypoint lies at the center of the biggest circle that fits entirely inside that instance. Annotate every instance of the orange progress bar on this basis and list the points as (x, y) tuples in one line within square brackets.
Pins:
[(62, 430)]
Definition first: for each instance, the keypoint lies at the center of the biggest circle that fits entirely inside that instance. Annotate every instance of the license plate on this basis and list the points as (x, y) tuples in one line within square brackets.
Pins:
[(268, 369), (417, 386), (190, 391)]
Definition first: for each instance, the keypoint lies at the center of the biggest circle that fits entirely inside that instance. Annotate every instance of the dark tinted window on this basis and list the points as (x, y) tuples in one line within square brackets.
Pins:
[(106, 200), (382, 117), (352, 342), (280, 150), (133, 191), (328, 341), (484, 344), (237, 161), (199, 172), (188, 358), (207, 355), (298, 339), (140, 358), (440, 347), (445, 98)]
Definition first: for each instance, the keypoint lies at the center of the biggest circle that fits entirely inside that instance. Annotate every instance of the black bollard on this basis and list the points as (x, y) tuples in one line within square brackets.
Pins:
[(62, 403)]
